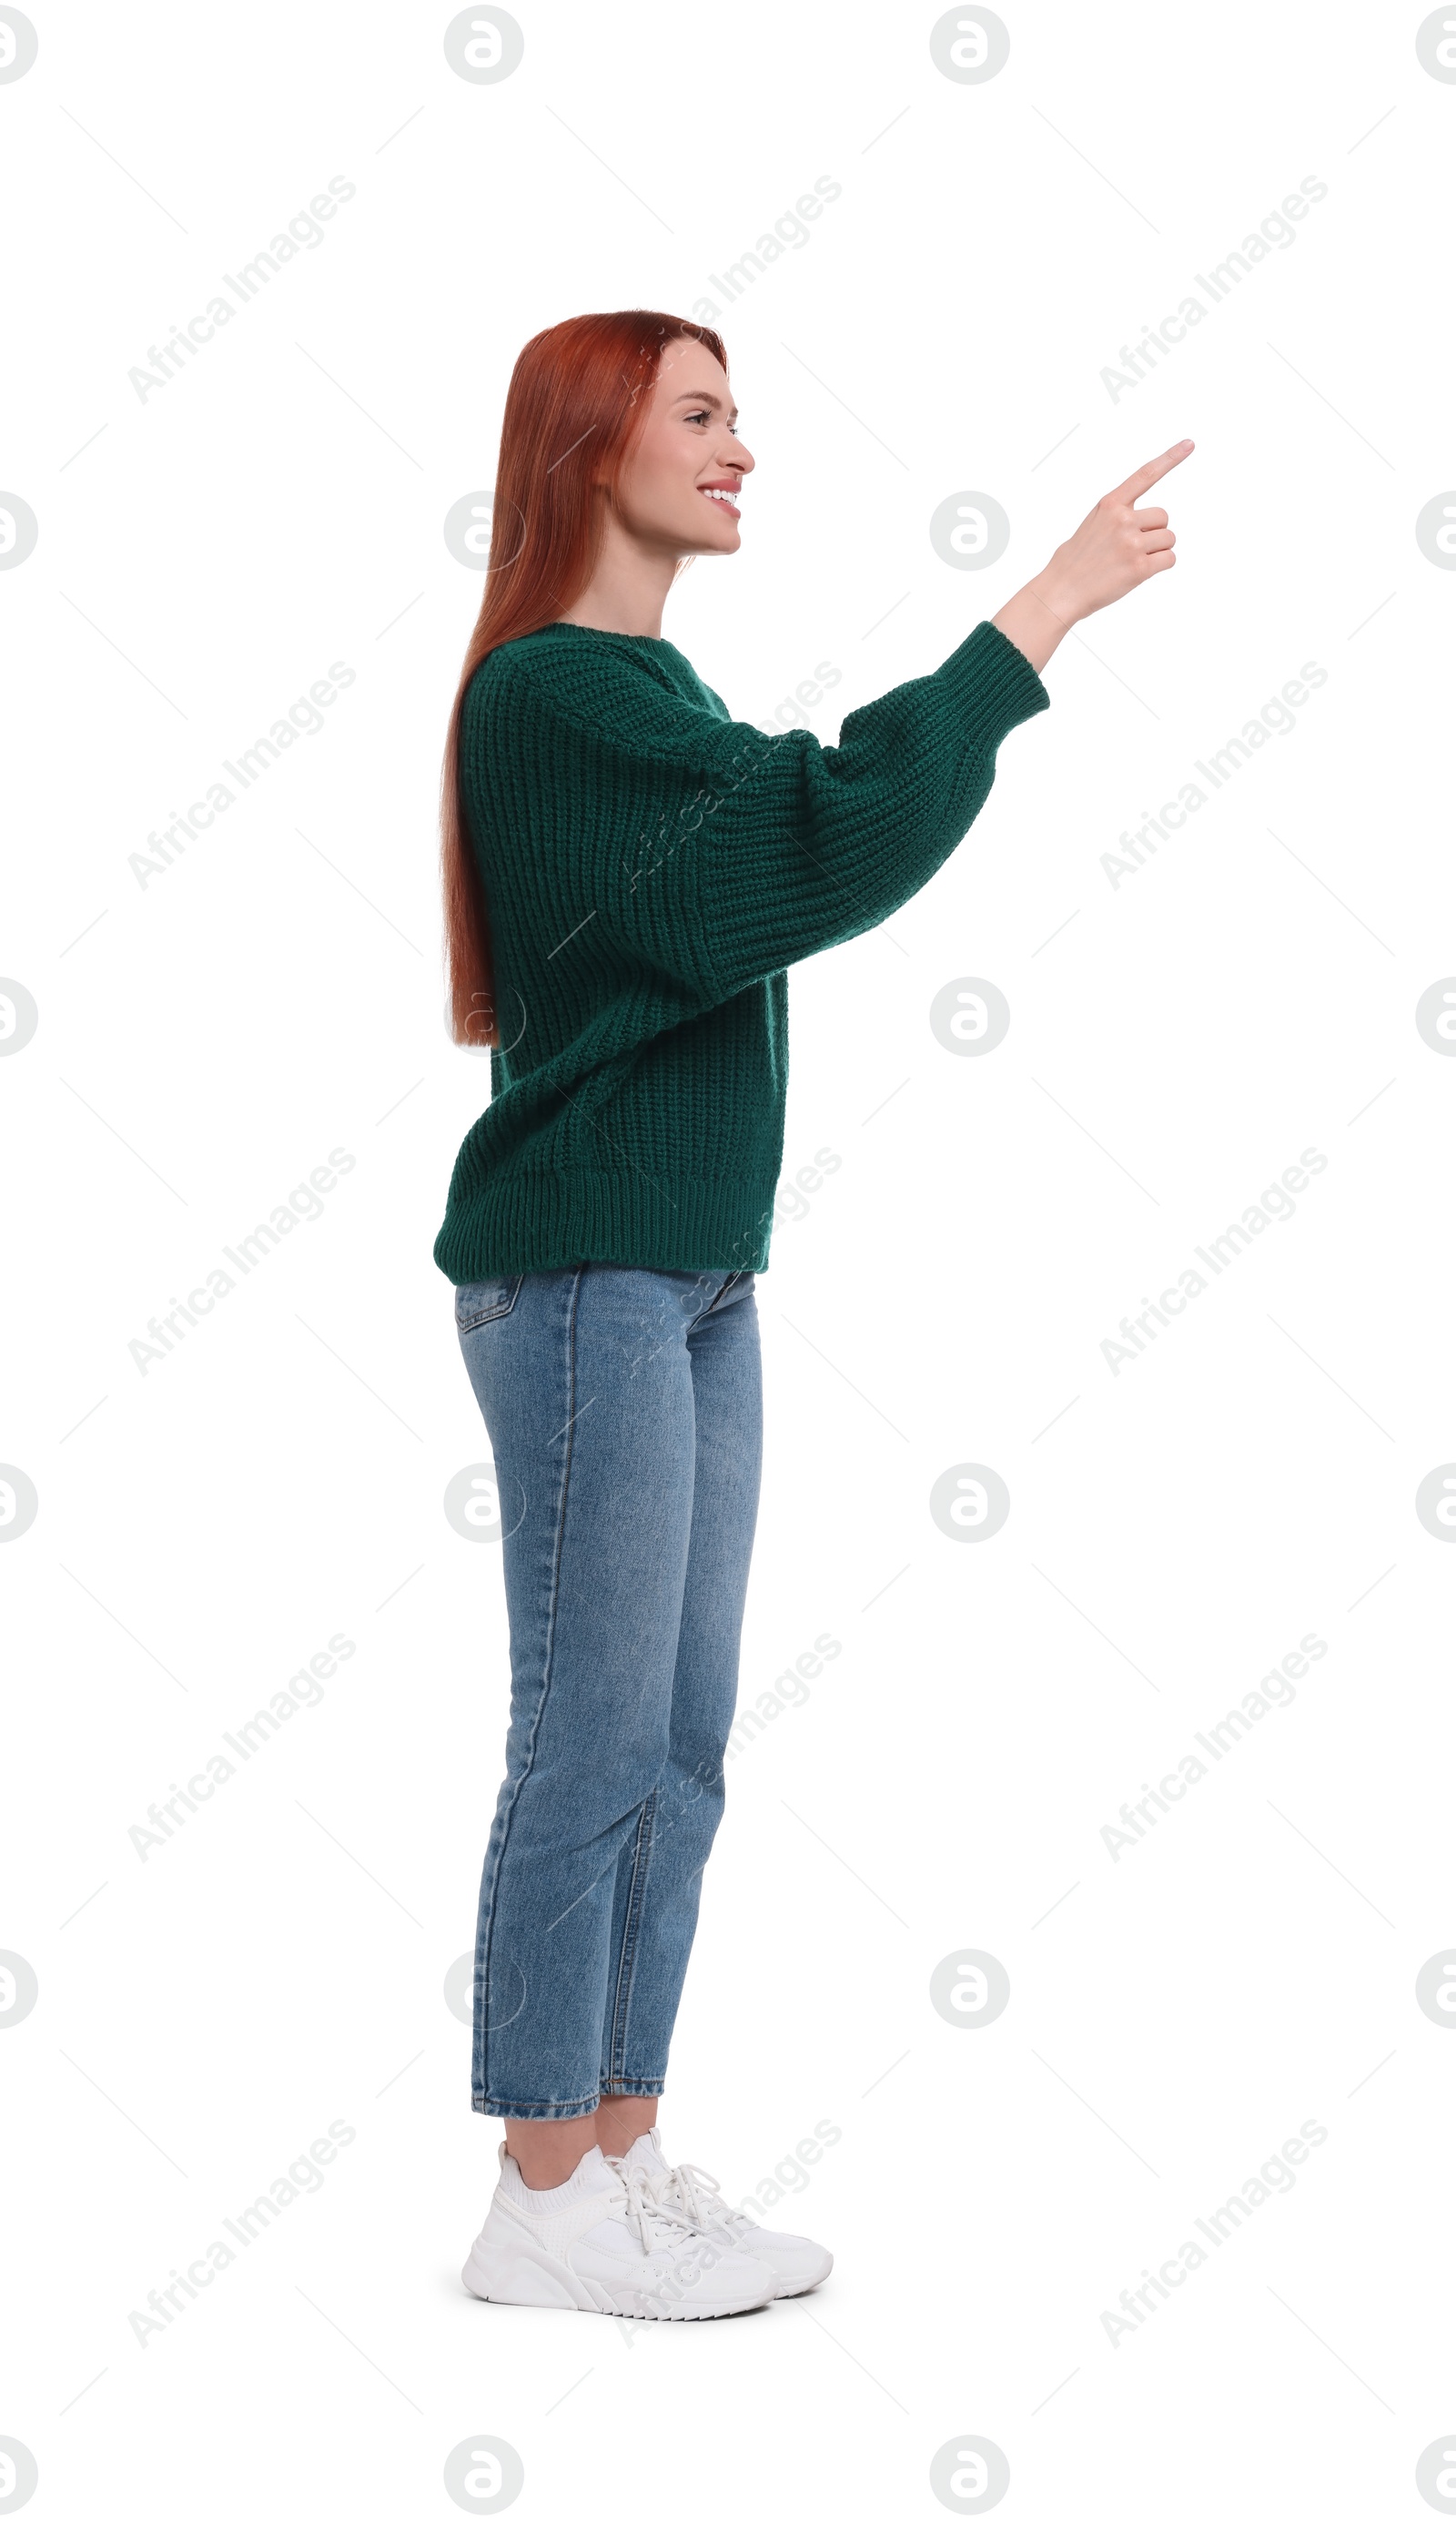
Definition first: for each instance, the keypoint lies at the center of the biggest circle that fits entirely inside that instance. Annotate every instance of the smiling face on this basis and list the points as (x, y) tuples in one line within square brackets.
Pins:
[(678, 490)]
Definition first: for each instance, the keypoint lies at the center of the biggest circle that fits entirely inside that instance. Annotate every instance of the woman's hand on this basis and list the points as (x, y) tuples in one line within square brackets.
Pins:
[(1113, 550)]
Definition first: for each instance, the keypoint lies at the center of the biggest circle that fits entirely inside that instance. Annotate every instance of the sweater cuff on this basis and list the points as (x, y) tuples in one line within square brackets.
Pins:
[(993, 687)]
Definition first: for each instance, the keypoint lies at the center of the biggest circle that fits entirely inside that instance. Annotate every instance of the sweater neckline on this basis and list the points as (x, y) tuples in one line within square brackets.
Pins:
[(637, 639)]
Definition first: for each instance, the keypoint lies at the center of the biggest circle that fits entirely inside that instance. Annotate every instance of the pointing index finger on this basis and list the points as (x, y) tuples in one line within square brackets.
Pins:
[(1153, 471)]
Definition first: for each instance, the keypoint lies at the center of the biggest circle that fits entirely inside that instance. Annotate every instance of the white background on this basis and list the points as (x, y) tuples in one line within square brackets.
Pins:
[(204, 1039)]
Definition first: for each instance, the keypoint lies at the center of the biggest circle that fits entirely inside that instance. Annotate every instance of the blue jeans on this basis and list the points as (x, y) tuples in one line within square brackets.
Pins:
[(623, 1409)]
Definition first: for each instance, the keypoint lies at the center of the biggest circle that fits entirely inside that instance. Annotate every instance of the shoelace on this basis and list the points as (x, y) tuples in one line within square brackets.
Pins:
[(656, 2218), (700, 2196)]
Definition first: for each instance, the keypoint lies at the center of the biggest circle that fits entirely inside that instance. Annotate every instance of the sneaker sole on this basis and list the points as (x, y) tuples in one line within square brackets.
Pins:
[(545, 2285), (806, 2285)]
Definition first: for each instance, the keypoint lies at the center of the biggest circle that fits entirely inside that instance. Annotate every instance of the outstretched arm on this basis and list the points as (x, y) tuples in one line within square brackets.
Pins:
[(708, 853)]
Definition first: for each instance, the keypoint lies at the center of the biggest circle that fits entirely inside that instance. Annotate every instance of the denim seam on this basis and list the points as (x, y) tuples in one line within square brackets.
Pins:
[(539, 1710), (492, 1313), (495, 2108), (731, 1281), (641, 1860)]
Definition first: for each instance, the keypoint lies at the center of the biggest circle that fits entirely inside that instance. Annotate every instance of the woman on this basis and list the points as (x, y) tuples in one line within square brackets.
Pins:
[(628, 873)]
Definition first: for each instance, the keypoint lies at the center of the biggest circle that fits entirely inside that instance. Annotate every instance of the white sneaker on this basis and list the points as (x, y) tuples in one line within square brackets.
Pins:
[(601, 2242), (797, 2264)]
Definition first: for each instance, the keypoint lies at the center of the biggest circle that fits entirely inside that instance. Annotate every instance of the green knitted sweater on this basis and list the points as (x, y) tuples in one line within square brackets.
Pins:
[(651, 867)]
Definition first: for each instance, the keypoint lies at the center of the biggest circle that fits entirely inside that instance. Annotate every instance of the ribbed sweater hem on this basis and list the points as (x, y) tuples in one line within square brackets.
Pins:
[(546, 1221)]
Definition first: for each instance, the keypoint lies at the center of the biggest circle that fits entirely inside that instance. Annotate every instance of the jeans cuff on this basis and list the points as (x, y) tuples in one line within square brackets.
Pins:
[(498, 2110), (630, 2087)]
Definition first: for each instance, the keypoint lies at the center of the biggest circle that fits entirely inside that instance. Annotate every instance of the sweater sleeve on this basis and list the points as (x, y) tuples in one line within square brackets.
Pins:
[(764, 849)]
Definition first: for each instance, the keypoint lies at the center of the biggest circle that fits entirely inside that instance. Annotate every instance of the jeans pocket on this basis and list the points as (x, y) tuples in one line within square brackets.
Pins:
[(485, 1300)]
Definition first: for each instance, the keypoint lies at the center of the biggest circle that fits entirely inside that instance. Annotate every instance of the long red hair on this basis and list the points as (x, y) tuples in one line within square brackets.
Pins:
[(577, 400)]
